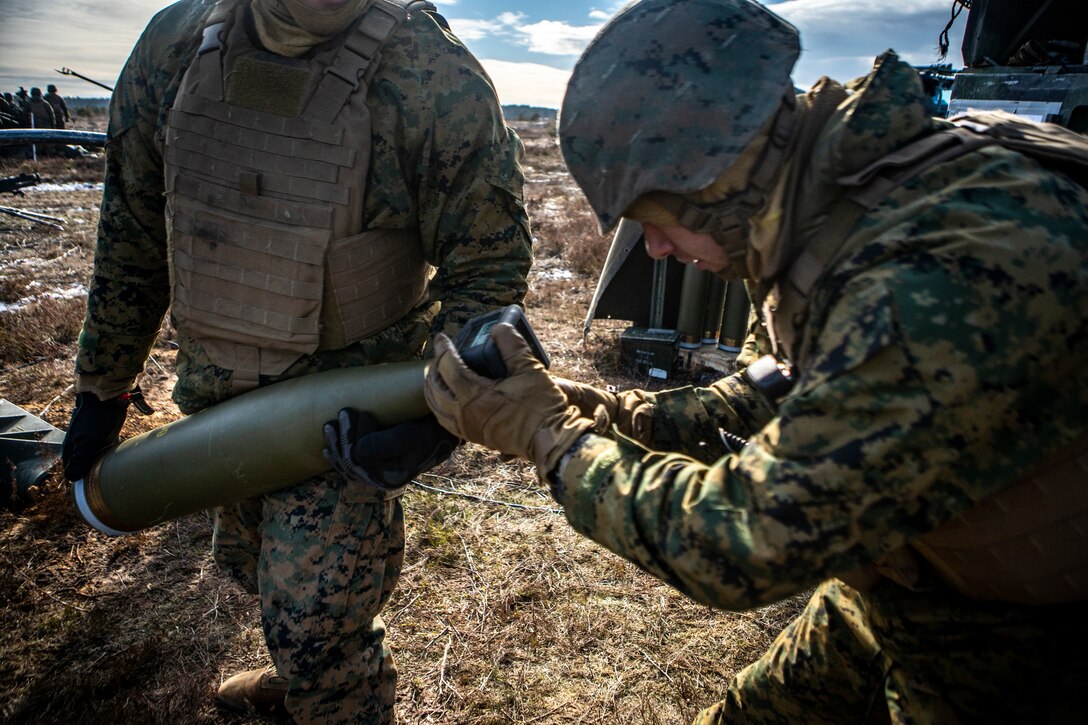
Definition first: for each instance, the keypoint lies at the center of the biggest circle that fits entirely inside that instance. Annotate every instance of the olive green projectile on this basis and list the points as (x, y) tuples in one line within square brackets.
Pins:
[(735, 322), (258, 442), (693, 293), (715, 307)]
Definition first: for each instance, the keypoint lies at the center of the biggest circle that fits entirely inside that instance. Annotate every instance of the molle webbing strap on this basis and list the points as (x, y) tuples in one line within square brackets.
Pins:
[(253, 183), (292, 213), (200, 294), (234, 130), (269, 123), (357, 59), (211, 153), (391, 287), (306, 246)]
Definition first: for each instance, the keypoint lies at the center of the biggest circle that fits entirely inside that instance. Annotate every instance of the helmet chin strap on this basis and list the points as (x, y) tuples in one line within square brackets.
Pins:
[(727, 220)]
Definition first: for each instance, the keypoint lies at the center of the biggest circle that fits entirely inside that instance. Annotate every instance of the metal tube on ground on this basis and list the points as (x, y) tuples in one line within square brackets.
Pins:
[(258, 442), (735, 321), (23, 136), (715, 308), (692, 305)]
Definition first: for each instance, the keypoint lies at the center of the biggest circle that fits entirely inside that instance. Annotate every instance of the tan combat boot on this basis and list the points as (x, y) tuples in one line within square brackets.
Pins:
[(257, 691)]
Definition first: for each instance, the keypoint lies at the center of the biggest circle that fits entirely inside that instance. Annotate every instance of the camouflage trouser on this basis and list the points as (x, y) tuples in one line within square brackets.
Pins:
[(324, 557), (825, 667)]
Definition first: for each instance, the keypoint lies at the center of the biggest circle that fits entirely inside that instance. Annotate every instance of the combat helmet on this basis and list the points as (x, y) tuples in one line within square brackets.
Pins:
[(668, 95)]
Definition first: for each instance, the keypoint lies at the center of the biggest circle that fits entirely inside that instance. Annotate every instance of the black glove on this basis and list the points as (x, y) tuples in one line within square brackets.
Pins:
[(95, 426), (385, 458)]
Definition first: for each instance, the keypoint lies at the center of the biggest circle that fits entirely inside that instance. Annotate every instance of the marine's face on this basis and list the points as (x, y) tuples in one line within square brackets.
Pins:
[(687, 246), (324, 4)]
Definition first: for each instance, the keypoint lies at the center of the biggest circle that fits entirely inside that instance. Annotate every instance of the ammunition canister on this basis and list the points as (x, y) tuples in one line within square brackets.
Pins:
[(735, 322), (258, 442), (692, 306), (715, 307)]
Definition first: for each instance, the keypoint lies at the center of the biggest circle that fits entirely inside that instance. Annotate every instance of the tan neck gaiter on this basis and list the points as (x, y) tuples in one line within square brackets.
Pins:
[(774, 242), (291, 28)]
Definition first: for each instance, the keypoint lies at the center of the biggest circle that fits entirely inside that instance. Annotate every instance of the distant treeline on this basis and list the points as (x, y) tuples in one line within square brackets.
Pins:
[(76, 102), (514, 112), (520, 112)]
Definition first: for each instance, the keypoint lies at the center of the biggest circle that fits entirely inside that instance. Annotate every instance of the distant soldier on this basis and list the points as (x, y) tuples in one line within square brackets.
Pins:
[(20, 105), (41, 112), (60, 108)]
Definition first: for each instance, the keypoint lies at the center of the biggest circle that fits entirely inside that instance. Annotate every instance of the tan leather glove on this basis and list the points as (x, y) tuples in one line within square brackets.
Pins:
[(628, 411), (524, 414)]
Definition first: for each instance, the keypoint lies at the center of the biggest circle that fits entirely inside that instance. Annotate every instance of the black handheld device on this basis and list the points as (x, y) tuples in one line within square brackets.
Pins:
[(479, 351)]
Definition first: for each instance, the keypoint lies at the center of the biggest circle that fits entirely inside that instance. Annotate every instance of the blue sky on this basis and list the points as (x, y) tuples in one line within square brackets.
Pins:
[(527, 47)]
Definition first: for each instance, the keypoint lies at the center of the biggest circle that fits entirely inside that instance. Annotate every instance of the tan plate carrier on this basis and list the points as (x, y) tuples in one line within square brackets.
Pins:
[(266, 167)]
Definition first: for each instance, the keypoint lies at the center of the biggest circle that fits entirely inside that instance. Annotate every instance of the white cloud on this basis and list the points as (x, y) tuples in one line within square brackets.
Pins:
[(840, 38), (532, 84), (547, 37), (468, 29), (552, 37)]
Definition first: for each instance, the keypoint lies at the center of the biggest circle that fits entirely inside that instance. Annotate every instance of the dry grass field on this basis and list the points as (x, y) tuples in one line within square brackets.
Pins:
[(503, 614)]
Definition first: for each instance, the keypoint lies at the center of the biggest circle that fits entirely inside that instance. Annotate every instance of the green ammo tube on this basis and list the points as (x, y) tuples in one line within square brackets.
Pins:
[(693, 292), (258, 442)]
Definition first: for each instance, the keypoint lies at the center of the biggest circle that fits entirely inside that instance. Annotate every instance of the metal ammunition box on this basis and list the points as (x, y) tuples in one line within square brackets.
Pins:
[(650, 351)]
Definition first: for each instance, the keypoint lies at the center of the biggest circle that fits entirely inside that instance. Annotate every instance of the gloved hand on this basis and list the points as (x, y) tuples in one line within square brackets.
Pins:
[(94, 427), (356, 446), (524, 414), (628, 411)]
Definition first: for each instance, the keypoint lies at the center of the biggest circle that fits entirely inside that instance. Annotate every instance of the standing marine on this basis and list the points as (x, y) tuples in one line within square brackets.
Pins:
[(305, 185), (40, 112), (914, 447), (61, 116)]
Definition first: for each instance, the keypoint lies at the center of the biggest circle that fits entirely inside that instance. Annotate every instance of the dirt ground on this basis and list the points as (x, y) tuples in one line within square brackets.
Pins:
[(503, 614)]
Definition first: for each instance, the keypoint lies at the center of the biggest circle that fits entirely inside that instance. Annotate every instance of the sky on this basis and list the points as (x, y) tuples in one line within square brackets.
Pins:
[(528, 47)]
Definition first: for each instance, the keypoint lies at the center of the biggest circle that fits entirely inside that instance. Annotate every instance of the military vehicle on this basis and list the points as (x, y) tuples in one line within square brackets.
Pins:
[(1026, 57)]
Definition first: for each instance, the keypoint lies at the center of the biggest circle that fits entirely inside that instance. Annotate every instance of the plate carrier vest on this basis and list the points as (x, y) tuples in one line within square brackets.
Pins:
[(266, 165), (1027, 543)]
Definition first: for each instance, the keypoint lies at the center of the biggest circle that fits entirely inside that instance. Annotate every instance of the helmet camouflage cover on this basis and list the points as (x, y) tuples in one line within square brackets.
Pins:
[(667, 96)]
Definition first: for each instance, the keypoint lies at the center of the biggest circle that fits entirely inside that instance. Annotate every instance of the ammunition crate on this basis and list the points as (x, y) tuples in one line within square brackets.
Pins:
[(650, 351)]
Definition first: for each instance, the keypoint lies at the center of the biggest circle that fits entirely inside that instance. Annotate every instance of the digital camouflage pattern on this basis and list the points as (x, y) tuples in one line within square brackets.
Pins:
[(947, 358), (443, 161), (660, 104), (324, 555)]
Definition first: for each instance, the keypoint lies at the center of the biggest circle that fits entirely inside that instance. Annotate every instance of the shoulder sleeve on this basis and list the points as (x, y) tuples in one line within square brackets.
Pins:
[(464, 170)]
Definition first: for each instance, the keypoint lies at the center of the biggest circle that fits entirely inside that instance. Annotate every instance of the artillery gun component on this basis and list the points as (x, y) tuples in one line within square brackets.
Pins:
[(29, 447)]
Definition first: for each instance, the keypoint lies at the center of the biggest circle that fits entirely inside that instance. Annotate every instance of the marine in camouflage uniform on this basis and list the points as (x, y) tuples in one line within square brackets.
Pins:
[(61, 116), (326, 554), (41, 113), (940, 363)]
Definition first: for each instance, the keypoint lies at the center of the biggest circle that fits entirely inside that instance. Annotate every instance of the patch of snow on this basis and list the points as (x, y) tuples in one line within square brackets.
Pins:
[(64, 294)]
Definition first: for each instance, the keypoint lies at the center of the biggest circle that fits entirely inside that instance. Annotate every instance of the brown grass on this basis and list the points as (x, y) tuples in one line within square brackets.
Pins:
[(503, 615)]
